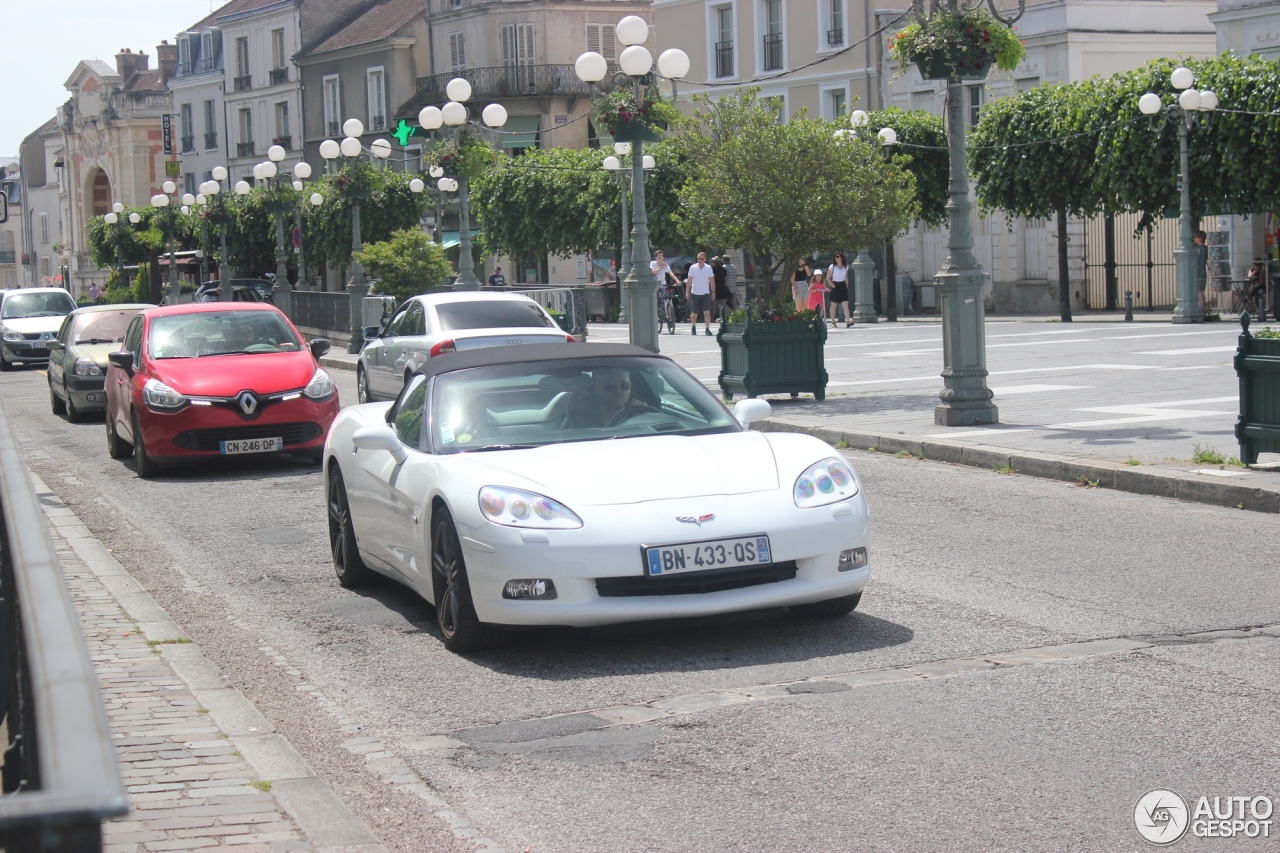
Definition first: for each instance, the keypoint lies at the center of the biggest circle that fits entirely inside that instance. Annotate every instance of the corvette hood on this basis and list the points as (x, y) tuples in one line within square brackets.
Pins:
[(228, 375), (632, 470), (31, 325)]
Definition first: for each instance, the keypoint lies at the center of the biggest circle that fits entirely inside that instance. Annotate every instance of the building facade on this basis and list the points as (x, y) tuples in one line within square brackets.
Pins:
[(12, 249), (112, 141), (199, 119), (43, 215)]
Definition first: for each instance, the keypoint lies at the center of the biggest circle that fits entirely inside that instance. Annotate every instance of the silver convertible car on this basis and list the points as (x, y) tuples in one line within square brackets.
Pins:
[(439, 323), (519, 486)]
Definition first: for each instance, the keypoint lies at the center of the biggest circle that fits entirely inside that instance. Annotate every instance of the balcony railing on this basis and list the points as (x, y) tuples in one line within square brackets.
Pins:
[(835, 38), (136, 105), (199, 66), (724, 59), (211, 141), (244, 149), (188, 144), (243, 84), (279, 75), (378, 123), (772, 51), (285, 142), (516, 81), (60, 775)]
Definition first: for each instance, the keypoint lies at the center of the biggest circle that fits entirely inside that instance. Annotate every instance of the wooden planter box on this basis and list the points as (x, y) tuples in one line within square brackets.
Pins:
[(944, 66), (773, 358), (1258, 366)]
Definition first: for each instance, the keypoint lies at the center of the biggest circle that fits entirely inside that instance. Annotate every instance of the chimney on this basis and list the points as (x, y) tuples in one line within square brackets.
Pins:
[(167, 60), (129, 63)]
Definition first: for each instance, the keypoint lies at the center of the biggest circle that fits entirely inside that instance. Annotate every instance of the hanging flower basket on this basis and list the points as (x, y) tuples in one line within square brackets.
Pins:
[(948, 65), (628, 121), (636, 130), (957, 47)]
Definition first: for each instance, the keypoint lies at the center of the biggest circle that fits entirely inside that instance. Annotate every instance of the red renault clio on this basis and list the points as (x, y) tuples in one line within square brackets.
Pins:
[(216, 379)]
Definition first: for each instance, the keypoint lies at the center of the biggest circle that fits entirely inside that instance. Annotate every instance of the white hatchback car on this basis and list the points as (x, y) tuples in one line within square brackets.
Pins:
[(29, 319), (439, 323)]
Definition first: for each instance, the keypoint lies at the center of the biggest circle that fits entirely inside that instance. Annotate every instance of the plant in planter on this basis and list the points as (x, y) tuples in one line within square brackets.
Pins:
[(628, 119), (947, 46), (772, 349)]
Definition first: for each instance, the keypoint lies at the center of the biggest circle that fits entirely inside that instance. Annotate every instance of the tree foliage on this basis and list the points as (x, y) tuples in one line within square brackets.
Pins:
[(406, 265), (922, 151), (125, 243), (786, 190), (326, 229)]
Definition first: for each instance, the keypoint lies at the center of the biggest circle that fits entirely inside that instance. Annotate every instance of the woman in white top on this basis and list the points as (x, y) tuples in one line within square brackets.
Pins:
[(838, 277)]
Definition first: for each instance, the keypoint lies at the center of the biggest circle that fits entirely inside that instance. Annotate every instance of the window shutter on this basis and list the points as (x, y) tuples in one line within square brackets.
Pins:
[(507, 32), (601, 40), (524, 44), (457, 51)]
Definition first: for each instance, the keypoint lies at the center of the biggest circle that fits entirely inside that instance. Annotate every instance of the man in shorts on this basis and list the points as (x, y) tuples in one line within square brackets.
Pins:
[(697, 289)]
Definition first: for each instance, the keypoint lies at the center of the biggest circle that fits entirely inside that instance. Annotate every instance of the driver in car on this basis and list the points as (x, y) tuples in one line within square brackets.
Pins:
[(610, 396)]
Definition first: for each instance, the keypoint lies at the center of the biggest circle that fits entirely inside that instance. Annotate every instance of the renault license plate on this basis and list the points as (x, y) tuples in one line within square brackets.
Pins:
[(251, 445), (712, 554)]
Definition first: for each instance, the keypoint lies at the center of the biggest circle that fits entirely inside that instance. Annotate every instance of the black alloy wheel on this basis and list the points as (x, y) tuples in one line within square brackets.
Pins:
[(5, 366), (362, 385), (117, 447), (55, 402), (828, 609), (350, 569), (455, 612), (142, 462)]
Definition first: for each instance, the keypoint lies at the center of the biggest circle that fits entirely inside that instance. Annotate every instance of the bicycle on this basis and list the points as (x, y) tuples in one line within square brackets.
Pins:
[(667, 309)]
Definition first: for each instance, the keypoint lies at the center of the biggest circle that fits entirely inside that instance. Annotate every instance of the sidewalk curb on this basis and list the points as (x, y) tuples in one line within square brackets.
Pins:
[(1160, 482), (319, 813), (337, 363)]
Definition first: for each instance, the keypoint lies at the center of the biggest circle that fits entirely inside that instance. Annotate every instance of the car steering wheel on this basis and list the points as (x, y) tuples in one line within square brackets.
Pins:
[(631, 411)]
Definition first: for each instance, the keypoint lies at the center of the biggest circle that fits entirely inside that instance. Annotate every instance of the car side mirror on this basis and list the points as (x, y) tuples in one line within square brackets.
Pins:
[(370, 333), (379, 437), (122, 359), (54, 346), (319, 346), (749, 411)]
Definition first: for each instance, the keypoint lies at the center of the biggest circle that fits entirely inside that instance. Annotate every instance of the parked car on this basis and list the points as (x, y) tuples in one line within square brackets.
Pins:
[(29, 319), (202, 381), (242, 290), (543, 458), (78, 357), (439, 323)]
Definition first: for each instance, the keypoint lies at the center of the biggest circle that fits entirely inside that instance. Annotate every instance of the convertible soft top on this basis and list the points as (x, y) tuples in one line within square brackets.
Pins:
[(486, 356)]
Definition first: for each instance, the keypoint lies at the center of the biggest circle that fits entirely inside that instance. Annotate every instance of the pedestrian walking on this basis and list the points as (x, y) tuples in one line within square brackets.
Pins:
[(800, 284), (724, 301), (1200, 260), (94, 292), (731, 281), (497, 279), (697, 287), (838, 301), (1256, 287), (817, 293)]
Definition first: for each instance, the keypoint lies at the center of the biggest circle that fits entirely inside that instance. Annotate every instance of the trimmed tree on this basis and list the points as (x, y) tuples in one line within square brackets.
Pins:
[(326, 229), (408, 264)]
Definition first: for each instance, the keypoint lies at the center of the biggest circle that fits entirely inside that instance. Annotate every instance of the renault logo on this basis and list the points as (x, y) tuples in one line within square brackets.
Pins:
[(248, 402)]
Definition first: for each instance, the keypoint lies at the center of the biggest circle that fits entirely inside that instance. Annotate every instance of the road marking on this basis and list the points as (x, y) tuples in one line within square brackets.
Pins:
[(1217, 472), (1123, 409), (901, 352), (1054, 332), (1045, 343), (1192, 351), (977, 432), (1169, 335), (1035, 389)]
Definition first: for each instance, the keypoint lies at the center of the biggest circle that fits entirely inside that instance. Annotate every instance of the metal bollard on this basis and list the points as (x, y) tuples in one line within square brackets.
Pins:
[(1128, 306)]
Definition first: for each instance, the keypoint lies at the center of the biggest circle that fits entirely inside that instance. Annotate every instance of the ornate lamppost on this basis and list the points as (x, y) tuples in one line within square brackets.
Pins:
[(278, 204), (1190, 104), (212, 191), (640, 288), (623, 175), (163, 204), (117, 236), (454, 114), (965, 398)]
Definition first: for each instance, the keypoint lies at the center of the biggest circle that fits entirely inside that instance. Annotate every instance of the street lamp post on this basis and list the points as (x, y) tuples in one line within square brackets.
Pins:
[(113, 219), (358, 285), (616, 170), (163, 203), (454, 114), (1190, 103), (211, 190), (640, 287)]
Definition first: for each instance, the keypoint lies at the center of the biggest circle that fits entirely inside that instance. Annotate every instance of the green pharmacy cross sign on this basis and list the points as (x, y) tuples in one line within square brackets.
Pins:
[(403, 132)]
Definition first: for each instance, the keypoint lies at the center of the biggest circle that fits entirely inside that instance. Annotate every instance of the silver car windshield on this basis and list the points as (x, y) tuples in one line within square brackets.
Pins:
[(47, 304), (491, 314), (206, 333), (509, 406), (101, 327)]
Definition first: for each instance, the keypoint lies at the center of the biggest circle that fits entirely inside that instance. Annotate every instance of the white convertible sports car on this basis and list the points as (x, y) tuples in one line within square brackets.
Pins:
[(584, 484)]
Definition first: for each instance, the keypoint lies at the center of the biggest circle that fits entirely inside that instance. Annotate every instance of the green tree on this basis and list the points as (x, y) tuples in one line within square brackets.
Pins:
[(921, 149), (124, 243), (326, 229), (785, 190), (1034, 156), (407, 264)]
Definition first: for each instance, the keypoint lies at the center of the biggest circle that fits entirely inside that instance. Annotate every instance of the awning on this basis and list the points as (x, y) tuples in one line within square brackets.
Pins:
[(453, 238), (520, 132)]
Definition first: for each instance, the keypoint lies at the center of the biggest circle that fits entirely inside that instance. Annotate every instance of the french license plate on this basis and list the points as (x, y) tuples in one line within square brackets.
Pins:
[(251, 445), (712, 554)]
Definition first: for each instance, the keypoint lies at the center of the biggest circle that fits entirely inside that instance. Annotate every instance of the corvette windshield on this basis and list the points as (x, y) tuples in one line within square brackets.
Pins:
[(527, 405), (206, 333), (44, 304)]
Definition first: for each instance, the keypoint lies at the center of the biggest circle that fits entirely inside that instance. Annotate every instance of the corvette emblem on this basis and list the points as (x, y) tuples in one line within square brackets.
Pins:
[(248, 402), (696, 519)]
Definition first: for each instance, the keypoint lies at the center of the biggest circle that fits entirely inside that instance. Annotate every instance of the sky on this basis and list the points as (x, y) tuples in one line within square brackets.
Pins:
[(48, 37)]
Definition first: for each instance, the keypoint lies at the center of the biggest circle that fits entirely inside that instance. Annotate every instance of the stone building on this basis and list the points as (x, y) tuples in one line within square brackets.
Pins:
[(46, 196)]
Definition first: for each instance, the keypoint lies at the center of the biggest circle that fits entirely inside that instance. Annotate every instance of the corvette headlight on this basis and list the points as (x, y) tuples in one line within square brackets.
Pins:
[(320, 387), (85, 367), (157, 395), (11, 335), (518, 508), (825, 482)]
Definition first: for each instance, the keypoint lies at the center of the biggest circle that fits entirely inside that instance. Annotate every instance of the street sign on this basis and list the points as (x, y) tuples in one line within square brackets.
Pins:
[(172, 168), (166, 130), (4, 207), (297, 237)]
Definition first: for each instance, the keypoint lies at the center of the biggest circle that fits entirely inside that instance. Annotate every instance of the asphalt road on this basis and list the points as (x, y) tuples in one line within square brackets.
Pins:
[(967, 564)]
